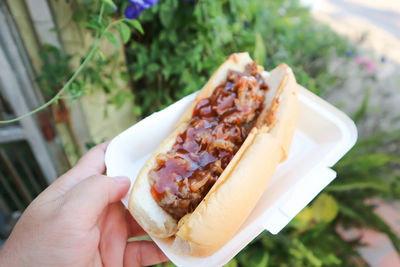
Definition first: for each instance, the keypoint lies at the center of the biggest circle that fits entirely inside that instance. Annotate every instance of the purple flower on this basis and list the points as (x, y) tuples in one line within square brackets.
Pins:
[(151, 2), (133, 11), (139, 3), (136, 7)]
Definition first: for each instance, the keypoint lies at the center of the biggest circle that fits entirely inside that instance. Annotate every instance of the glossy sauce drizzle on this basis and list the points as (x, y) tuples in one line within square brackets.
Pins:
[(219, 126)]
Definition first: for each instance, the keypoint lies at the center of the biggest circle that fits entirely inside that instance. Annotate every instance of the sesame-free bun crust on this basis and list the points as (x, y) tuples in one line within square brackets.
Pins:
[(236, 192)]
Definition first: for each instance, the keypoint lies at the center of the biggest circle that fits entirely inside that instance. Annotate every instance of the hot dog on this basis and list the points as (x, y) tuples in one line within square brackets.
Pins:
[(203, 181)]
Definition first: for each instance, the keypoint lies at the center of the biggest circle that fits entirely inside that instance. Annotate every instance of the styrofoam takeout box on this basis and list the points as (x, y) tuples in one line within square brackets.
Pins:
[(323, 135)]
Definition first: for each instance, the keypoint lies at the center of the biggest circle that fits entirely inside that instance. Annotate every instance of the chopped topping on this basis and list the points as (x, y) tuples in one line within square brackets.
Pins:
[(219, 125)]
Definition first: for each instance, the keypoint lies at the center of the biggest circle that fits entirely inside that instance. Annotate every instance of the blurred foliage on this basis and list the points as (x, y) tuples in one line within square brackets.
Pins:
[(185, 41), (102, 72)]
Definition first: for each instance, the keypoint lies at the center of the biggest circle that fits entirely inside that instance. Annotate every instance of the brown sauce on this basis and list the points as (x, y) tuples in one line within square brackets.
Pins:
[(218, 127)]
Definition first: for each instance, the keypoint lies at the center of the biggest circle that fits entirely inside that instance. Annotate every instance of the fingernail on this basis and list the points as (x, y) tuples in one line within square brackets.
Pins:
[(122, 179)]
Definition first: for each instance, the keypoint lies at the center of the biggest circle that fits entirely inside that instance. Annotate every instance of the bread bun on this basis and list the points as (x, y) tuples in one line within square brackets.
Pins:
[(236, 192)]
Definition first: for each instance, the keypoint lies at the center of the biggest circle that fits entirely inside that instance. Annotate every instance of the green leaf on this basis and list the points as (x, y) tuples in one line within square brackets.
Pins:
[(255, 256), (90, 25), (110, 3), (105, 112), (367, 161), (152, 67), (264, 261), (125, 32), (303, 219), (119, 99), (360, 113), (137, 110), (79, 15), (366, 215), (259, 50), (101, 55), (112, 39), (231, 263), (303, 253), (325, 208), (359, 186), (136, 24), (167, 12), (138, 73)]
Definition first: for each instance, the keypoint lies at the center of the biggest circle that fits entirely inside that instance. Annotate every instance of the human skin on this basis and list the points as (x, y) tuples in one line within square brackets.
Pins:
[(79, 221)]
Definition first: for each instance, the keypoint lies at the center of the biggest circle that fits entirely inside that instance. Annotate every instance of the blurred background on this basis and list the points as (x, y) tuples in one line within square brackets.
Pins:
[(346, 51)]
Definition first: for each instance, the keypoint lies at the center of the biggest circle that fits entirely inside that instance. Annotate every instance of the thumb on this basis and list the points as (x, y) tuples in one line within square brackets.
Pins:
[(90, 196)]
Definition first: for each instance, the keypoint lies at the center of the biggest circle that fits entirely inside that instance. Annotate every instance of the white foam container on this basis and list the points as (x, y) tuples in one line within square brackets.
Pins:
[(323, 135)]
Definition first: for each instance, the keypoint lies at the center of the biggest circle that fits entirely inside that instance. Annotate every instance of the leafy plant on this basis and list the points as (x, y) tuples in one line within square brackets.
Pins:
[(185, 41), (65, 84), (55, 69)]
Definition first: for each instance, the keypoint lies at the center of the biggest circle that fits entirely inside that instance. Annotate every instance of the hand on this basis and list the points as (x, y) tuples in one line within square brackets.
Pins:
[(79, 221)]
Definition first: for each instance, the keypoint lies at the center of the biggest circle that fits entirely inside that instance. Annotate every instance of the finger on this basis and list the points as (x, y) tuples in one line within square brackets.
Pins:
[(134, 229), (93, 160), (114, 235), (91, 163), (143, 253), (89, 198)]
